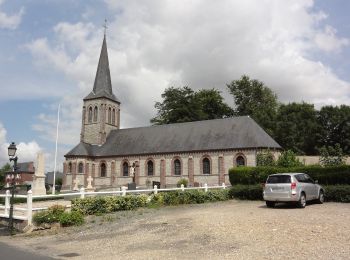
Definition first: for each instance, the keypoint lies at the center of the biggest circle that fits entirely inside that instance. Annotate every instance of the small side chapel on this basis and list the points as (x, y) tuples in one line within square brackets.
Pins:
[(201, 151)]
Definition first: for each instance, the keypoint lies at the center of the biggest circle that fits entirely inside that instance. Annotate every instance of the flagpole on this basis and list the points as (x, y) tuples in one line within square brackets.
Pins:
[(54, 170)]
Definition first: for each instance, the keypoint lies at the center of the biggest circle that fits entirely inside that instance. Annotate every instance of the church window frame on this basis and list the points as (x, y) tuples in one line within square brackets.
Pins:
[(240, 160), (206, 166), (113, 116), (80, 167), (95, 114), (125, 169), (109, 115), (177, 167), (150, 167), (70, 167), (90, 115), (103, 169)]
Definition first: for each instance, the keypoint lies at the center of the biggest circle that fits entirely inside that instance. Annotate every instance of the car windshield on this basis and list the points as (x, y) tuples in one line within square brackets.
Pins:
[(278, 179)]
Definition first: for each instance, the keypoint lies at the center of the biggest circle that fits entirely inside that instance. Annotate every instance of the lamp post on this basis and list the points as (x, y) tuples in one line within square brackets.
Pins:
[(11, 178)]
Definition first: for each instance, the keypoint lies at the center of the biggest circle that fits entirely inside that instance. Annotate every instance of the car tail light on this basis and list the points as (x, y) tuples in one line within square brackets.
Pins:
[(293, 185)]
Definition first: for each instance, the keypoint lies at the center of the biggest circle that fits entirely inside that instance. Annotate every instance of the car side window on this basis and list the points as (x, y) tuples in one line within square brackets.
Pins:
[(300, 177), (308, 179)]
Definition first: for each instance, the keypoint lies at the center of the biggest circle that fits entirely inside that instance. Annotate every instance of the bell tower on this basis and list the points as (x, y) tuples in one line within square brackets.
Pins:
[(101, 109)]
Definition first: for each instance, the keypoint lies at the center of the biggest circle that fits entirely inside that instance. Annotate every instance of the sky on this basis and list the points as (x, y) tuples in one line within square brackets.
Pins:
[(49, 51)]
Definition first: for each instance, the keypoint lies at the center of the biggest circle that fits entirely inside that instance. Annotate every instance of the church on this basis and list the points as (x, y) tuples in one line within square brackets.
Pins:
[(201, 151)]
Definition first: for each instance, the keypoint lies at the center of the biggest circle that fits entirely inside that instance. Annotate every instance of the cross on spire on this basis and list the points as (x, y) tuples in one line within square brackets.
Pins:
[(105, 26)]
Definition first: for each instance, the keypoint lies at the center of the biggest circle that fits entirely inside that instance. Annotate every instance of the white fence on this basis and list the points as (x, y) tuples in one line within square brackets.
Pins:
[(82, 193)]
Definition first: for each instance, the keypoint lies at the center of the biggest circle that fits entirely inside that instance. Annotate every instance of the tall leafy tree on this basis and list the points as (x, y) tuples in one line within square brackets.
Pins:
[(185, 105), (334, 124), (253, 98), (296, 125)]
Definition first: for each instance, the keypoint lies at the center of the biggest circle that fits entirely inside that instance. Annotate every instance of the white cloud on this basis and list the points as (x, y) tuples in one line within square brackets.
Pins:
[(10, 21), (200, 43), (25, 151)]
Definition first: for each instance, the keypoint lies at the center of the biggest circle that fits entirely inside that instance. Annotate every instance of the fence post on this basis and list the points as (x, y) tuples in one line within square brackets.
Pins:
[(182, 187), (123, 190), (205, 187), (155, 188), (7, 202), (29, 207), (82, 193), (223, 185)]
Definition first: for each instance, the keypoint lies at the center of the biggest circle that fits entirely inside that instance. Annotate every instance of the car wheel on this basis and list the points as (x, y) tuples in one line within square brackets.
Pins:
[(270, 204), (302, 201), (320, 199)]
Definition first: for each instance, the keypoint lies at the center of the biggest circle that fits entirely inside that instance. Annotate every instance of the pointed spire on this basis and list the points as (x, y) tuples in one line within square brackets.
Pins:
[(102, 84)]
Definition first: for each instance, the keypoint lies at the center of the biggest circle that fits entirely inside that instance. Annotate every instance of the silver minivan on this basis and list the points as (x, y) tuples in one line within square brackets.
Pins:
[(292, 187)]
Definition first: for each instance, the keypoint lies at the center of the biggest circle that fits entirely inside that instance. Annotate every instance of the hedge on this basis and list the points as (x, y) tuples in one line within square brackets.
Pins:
[(335, 193), (108, 204), (335, 175)]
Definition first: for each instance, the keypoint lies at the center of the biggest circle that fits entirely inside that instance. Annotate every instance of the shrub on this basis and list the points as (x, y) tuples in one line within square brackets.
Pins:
[(265, 158), (337, 193), (156, 200), (182, 181), (332, 156), (325, 175), (246, 192), (288, 159), (101, 205), (73, 218), (49, 216)]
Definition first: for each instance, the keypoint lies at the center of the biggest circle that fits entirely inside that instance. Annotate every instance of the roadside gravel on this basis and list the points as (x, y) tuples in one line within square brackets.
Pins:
[(225, 230)]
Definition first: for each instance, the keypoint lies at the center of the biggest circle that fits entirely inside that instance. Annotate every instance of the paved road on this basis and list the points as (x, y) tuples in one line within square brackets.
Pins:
[(9, 252)]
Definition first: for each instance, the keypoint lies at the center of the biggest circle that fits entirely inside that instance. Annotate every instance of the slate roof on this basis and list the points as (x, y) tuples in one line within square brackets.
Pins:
[(102, 84), (25, 167), (219, 134)]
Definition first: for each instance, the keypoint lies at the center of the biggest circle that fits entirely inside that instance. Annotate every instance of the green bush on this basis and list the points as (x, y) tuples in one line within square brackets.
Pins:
[(337, 193), (194, 196), (325, 175), (246, 192), (73, 218), (101, 205), (52, 215), (182, 181)]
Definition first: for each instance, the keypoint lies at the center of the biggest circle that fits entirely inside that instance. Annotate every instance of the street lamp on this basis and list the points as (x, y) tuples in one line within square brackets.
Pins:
[(12, 179)]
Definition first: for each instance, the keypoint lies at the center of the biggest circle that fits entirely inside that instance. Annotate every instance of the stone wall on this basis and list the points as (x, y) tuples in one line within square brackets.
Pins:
[(191, 168)]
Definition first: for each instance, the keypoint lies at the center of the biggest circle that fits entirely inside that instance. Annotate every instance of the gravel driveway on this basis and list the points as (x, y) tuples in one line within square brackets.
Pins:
[(225, 230)]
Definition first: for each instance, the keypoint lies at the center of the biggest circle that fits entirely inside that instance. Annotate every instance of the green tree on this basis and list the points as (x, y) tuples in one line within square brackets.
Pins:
[(3, 170), (334, 124), (331, 156), (185, 105), (288, 159), (296, 125), (265, 158), (253, 98)]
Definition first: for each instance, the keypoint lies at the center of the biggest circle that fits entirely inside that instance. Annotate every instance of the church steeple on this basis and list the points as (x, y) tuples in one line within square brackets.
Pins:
[(101, 110), (102, 84)]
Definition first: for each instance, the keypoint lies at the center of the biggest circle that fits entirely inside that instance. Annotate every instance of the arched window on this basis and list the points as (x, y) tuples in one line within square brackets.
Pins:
[(149, 168), (113, 117), (95, 114), (125, 169), (177, 167), (90, 115), (69, 167), (103, 169), (206, 166), (80, 167), (240, 161), (109, 115)]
